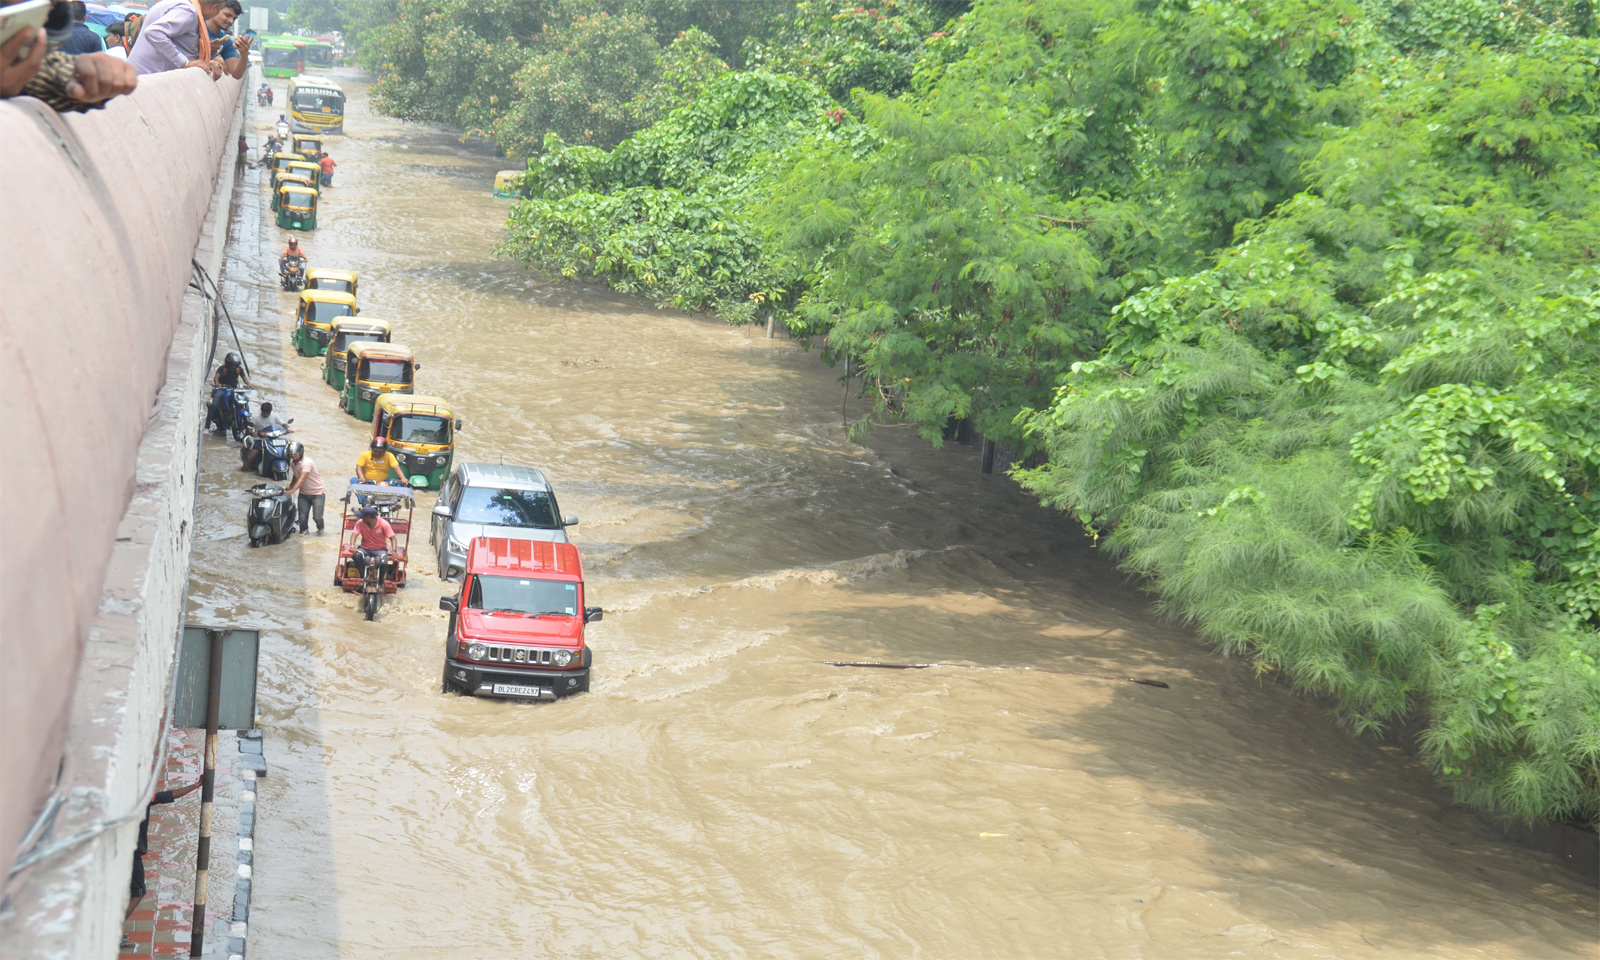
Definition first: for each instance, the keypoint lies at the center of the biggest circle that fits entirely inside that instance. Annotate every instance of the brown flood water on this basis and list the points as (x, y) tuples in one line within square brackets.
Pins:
[(718, 794)]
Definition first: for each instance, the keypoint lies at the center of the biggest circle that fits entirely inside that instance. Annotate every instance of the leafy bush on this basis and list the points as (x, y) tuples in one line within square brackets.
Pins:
[(666, 214), (841, 45), (1362, 446)]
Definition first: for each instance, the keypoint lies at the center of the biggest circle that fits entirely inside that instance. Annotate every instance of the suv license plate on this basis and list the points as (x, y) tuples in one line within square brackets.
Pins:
[(515, 690)]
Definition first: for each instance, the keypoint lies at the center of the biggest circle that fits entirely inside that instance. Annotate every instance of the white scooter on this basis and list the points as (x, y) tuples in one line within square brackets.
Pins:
[(283, 130)]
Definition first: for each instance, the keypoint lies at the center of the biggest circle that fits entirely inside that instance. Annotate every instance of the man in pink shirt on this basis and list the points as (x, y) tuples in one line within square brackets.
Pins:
[(308, 484), (374, 536)]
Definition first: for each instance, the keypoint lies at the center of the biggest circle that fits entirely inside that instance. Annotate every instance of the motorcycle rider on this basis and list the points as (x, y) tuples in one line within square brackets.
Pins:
[(292, 252), (264, 93), (283, 128), (252, 442), (377, 465), (374, 538), (229, 376)]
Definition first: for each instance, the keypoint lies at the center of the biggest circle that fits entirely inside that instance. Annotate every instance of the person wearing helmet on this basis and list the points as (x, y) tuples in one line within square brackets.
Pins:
[(292, 252), (229, 376), (308, 486), (376, 464), (374, 538)]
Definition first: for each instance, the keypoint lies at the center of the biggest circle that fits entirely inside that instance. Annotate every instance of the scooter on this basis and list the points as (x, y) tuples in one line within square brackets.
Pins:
[(235, 413), (283, 130), (271, 516), (293, 275), (263, 98), (274, 446)]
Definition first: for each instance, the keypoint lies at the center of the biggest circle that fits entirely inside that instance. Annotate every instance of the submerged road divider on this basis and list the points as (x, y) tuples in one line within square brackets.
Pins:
[(882, 665)]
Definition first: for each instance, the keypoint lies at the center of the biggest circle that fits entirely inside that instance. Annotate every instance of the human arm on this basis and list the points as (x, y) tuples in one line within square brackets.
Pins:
[(158, 35), (16, 70), (394, 468), (241, 62), (98, 77)]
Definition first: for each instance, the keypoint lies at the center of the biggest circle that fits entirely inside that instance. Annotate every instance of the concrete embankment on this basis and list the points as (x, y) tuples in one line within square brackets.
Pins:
[(104, 354)]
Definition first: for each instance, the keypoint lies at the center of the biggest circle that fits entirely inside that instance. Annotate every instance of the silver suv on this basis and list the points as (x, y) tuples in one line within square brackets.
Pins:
[(493, 500)]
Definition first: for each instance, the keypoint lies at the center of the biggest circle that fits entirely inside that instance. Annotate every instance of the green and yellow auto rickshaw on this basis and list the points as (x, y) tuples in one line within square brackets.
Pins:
[(345, 332), (508, 183), (372, 369), (341, 281), (280, 164), (421, 435), (289, 178), (308, 147), (304, 168), (297, 207), (313, 322)]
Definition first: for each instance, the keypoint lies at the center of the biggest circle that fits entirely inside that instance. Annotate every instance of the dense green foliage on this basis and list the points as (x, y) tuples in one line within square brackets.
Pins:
[(1363, 444), (667, 213), (840, 45), (594, 71), (1300, 298)]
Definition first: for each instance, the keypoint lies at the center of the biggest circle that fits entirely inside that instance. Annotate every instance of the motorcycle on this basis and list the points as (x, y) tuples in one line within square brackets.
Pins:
[(271, 516), (293, 274), (263, 98), (274, 445), (234, 413)]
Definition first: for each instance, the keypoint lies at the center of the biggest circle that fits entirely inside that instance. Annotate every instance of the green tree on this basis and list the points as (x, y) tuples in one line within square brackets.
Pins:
[(580, 83), (1360, 446), (842, 45)]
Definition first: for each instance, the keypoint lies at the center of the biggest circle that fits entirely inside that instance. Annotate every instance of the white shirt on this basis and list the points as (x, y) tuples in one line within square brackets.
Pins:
[(117, 52)]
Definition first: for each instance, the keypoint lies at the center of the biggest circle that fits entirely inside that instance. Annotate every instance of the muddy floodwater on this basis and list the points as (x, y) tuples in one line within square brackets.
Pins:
[(720, 794)]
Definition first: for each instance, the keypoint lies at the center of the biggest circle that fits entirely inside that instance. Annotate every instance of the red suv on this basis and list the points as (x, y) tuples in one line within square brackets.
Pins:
[(516, 628)]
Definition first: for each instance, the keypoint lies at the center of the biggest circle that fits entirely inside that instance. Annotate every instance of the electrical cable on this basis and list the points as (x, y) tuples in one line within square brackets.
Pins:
[(66, 843)]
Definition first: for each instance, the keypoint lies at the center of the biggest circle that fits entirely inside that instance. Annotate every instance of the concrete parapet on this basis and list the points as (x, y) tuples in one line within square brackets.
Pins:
[(104, 359)]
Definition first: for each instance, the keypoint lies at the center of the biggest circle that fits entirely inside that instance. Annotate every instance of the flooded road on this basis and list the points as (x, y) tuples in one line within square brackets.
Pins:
[(719, 794)]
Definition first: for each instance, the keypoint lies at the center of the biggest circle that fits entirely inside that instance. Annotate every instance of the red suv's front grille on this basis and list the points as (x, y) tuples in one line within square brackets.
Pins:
[(529, 656)]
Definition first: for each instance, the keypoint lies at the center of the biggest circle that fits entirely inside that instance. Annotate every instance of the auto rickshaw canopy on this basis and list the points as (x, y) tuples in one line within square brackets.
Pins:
[(401, 403), (297, 196), (336, 280), (310, 298), (362, 325), (298, 179), (303, 144), (282, 159), (304, 167), (506, 183), (376, 350)]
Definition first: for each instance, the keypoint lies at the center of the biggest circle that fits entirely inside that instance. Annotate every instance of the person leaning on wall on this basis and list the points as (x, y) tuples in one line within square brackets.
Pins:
[(32, 64), (173, 35)]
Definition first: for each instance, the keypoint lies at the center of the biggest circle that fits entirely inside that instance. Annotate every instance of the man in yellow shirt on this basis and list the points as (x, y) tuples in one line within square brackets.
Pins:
[(376, 465)]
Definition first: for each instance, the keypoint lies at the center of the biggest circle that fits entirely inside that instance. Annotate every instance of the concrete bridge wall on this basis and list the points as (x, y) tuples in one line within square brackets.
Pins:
[(102, 361)]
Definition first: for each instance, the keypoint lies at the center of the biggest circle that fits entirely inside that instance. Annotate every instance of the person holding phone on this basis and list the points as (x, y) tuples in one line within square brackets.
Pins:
[(234, 52), (23, 43)]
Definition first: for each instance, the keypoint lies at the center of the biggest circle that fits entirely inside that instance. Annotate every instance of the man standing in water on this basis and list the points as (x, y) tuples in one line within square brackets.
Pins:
[(308, 484)]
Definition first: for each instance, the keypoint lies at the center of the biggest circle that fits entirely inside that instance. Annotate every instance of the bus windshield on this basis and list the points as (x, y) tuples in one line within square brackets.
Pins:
[(280, 56), (318, 101)]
